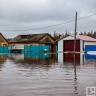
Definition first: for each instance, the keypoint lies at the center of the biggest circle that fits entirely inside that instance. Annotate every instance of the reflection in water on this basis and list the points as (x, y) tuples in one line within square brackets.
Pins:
[(75, 75), (90, 58), (77, 60), (16, 57), (33, 60), (69, 58), (29, 75), (3, 58)]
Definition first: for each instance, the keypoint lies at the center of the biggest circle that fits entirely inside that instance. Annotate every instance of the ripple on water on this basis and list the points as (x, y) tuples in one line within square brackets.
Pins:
[(42, 78)]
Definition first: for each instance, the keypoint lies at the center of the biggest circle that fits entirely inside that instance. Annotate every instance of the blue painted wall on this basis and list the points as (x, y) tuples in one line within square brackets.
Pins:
[(90, 48)]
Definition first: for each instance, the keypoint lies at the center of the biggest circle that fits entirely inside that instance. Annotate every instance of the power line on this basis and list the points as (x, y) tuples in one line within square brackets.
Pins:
[(41, 27), (87, 16), (52, 25)]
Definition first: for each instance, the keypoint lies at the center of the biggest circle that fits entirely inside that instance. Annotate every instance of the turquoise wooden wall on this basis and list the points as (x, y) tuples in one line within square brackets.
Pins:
[(36, 49), (4, 49)]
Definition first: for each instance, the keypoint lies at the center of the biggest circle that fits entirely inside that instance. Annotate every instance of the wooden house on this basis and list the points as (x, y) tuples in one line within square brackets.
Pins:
[(34, 40), (3, 41)]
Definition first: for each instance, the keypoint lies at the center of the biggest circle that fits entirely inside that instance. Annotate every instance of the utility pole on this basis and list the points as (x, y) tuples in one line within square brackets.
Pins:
[(75, 32)]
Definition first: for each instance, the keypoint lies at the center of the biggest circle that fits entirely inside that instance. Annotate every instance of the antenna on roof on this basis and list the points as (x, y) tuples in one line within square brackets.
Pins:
[(75, 32)]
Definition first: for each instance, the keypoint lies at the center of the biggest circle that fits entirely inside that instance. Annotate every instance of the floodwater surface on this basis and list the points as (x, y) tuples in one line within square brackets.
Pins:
[(47, 76)]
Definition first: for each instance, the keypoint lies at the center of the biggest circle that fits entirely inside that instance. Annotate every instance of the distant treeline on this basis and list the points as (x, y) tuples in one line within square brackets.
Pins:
[(59, 35)]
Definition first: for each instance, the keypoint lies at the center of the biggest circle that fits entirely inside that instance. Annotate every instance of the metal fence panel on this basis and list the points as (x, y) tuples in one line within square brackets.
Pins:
[(5, 49), (1, 49), (90, 48)]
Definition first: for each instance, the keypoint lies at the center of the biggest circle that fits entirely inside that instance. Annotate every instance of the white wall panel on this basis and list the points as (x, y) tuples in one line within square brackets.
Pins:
[(89, 43)]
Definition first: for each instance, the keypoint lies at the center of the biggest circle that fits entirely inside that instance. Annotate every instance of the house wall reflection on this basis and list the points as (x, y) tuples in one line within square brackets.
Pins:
[(33, 60), (79, 58)]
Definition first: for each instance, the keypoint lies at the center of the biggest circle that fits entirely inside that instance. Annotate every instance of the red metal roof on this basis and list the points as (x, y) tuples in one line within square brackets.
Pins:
[(85, 38)]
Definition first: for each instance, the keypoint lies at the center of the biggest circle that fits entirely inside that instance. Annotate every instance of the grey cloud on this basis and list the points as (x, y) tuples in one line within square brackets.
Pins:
[(30, 14)]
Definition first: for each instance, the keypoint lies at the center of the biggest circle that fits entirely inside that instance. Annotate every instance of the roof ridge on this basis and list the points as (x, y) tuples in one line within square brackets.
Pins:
[(87, 38)]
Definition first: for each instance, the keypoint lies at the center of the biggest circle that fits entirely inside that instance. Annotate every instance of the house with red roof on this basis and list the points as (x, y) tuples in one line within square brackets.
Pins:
[(83, 43)]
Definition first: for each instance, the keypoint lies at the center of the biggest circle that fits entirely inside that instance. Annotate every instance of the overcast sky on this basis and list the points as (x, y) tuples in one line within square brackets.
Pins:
[(31, 14)]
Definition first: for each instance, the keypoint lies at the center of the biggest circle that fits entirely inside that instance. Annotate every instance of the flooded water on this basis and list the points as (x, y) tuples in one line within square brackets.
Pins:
[(26, 75)]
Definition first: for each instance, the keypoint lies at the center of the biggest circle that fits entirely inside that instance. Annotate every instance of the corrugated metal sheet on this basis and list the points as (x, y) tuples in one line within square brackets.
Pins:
[(85, 38), (90, 48), (69, 45), (36, 49), (4, 49), (82, 37)]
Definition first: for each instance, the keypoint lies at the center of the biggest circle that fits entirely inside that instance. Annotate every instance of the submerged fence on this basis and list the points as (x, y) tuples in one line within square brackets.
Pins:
[(4, 49), (36, 49), (31, 49)]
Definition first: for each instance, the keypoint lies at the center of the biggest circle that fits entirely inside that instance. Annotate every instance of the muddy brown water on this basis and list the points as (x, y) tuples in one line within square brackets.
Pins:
[(28, 76)]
